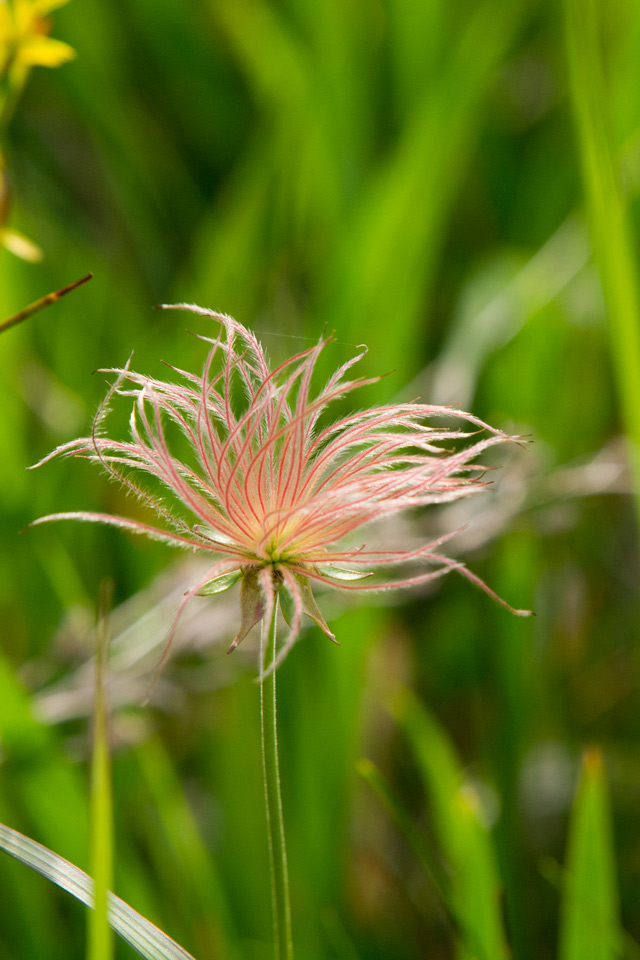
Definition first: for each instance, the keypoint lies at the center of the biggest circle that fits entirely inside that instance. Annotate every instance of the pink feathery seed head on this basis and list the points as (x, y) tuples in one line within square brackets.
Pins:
[(272, 492)]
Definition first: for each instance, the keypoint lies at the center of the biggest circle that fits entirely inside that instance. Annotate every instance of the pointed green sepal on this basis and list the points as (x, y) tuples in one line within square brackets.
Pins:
[(309, 606), (219, 584), (252, 604)]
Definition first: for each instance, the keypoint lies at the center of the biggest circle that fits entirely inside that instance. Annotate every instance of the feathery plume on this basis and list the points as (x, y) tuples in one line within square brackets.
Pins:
[(274, 496)]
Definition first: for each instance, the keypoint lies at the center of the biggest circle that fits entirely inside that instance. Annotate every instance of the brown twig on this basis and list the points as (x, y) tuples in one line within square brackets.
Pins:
[(39, 304)]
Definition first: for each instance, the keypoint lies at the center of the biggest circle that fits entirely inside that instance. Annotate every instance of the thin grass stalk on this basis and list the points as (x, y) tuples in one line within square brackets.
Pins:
[(608, 221), (100, 939), (283, 943)]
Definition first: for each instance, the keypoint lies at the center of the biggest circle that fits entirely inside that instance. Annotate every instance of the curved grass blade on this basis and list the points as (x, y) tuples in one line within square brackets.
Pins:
[(150, 942), (590, 927), (465, 840), (42, 302), (416, 839)]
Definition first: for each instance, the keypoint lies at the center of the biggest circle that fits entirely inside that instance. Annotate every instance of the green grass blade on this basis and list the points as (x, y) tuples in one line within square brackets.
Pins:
[(607, 214), (590, 928), (403, 209), (415, 838), (143, 936), (178, 853), (464, 838), (100, 941)]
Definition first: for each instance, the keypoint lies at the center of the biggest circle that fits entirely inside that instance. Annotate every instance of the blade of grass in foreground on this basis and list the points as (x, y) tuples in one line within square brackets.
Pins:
[(148, 940), (607, 215), (100, 941), (464, 839), (590, 928)]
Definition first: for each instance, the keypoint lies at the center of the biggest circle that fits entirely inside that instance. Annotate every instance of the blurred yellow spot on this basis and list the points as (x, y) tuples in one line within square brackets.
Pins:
[(20, 246), (10, 239), (24, 39)]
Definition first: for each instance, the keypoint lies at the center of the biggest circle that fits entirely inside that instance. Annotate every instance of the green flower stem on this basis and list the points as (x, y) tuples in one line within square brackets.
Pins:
[(283, 942)]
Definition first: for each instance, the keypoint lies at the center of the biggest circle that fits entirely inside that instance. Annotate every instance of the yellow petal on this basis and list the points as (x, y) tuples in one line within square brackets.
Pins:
[(41, 7), (6, 26), (21, 246), (24, 19), (45, 52)]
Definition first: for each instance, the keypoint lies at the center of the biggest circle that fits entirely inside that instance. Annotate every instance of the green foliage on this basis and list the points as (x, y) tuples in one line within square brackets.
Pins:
[(99, 936), (590, 927), (461, 831), (146, 939), (410, 175), (612, 244)]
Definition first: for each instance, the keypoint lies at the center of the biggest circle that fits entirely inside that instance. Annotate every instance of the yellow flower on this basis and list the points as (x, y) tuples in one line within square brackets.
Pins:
[(24, 36)]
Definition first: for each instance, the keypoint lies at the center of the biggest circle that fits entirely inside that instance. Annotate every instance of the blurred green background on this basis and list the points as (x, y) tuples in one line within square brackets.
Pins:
[(411, 175)]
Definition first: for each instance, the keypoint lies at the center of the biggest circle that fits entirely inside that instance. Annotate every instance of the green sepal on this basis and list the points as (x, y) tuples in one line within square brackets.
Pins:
[(309, 605), (219, 584), (286, 605), (252, 605)]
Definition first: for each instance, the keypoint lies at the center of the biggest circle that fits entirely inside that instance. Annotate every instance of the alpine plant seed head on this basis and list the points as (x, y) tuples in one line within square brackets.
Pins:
[(274, 496)]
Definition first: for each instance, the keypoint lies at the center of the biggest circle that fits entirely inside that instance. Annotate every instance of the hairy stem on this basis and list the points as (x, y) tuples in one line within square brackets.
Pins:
[(275, 824)]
